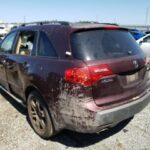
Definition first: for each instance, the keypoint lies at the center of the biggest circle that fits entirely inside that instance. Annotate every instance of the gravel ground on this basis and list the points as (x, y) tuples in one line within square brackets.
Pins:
[(16, 133)]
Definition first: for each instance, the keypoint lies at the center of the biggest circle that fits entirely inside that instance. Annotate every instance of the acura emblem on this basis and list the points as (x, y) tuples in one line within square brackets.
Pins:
[(135, 63)]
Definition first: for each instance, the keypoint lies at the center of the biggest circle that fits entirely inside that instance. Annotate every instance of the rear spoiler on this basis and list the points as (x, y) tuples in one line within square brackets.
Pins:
[(107, 27), (113, 27)]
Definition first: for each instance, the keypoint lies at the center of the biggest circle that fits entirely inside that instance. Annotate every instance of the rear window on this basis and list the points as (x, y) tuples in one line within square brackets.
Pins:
[(103, 44)]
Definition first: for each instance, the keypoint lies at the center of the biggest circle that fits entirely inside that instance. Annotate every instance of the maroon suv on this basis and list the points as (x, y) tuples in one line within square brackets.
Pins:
[(82, 77)]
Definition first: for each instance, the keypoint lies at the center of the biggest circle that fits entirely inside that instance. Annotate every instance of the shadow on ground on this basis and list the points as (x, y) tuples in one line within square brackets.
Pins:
[(70, 138)]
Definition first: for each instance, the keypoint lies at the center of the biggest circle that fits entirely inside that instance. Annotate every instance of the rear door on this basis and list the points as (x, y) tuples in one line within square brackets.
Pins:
[(116, 62), (6, 49)]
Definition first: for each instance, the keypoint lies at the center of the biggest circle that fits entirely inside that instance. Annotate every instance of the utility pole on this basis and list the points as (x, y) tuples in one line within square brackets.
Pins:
[(24, 19), (147, 15)]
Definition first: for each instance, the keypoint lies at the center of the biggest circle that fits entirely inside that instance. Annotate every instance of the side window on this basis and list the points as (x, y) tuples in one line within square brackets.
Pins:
[(147, 39), (7, 44), (45, 48), (25, 43)]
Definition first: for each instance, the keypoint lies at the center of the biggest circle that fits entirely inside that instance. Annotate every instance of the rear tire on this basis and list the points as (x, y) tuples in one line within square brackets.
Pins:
[(39, 116)]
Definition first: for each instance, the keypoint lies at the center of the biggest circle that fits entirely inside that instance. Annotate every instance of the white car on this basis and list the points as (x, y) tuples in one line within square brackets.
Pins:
[(3, 31), (144, 43)]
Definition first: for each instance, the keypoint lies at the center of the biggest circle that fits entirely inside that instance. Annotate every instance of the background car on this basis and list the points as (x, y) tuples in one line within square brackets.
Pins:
[(147, 32), (144, 43), (1, 38), (136, 33), (3, 31)]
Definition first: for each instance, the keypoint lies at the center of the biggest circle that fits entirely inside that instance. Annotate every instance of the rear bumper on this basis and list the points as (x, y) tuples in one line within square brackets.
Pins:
[(111, 117), (87, 117), (97, 121), (120, 113)]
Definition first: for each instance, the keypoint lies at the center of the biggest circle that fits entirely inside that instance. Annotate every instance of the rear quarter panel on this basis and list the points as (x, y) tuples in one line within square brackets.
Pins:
[(63, 99)]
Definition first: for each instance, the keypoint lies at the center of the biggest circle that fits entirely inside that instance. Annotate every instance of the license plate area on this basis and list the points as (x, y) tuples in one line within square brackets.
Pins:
[(132, 78)]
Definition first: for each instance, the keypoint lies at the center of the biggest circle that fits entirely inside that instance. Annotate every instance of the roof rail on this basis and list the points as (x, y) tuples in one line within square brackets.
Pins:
[(95, 22), (46, 23), (115, 24), (87, 22)]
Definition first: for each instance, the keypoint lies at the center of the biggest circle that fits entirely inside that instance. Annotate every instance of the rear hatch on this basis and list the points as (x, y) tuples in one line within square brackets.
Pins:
[(115, 62)]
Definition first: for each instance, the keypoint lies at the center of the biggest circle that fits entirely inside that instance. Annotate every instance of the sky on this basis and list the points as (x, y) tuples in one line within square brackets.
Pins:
[(113, 11)]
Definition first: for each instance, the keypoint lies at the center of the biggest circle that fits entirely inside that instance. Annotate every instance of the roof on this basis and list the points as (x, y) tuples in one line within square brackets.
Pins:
[(71, 26), (59, 32)]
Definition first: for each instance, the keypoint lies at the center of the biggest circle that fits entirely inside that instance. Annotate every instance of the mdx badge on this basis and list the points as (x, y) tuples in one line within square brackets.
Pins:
[(135, 63)]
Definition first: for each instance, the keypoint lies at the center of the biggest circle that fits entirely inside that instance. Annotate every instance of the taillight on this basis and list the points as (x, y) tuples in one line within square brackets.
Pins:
[(78, 75), (87, 76)]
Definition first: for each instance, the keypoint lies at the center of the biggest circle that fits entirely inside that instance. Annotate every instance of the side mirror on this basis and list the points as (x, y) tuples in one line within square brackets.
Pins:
[(144, 41), (141, 42)]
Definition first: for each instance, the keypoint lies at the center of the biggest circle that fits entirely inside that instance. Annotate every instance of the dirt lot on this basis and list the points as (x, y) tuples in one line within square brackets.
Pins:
[(16, 133)]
